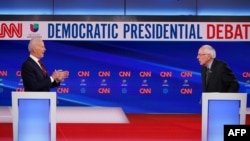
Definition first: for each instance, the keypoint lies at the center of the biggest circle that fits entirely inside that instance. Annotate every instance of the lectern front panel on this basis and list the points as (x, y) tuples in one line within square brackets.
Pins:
[(34, 120)]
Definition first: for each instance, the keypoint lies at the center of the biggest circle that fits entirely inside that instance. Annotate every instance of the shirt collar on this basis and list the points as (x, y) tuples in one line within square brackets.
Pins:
[(210, 65), (34, 58)]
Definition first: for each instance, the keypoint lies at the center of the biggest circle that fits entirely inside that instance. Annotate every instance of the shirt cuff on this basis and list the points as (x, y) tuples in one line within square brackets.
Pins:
[(51, 79)]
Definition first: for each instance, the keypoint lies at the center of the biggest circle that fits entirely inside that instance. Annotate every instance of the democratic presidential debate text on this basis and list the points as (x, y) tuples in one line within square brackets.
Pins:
[(138, 31), (129, 31)]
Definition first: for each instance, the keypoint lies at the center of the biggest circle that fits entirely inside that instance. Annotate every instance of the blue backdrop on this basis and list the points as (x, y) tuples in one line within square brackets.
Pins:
[(139, 76)]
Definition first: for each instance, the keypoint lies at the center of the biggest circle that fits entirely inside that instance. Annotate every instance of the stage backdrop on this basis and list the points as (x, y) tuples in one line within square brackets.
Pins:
[(143, 66)]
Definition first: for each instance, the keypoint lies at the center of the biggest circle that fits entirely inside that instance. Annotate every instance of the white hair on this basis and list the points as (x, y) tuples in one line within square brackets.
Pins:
[(209, 50), (33, 43)]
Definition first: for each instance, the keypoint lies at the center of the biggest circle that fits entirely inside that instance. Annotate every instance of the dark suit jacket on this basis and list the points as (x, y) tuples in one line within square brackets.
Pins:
[(33, 78), (221, 78)]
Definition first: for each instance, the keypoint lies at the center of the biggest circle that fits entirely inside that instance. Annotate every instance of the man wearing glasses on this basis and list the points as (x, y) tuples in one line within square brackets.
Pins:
[(216, 74)]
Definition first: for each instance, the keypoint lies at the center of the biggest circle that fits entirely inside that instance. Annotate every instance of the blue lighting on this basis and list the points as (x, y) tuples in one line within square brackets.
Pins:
[(221, 112), (26, 12), (88, 12), (223, 12), (126, 7), (33, 120)]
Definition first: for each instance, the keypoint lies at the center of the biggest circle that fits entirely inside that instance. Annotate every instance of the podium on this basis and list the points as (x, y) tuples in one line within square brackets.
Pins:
[(219, 109), (34, 116)]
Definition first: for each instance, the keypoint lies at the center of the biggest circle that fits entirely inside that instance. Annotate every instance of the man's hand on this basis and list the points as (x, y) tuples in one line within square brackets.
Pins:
[(60, 75)]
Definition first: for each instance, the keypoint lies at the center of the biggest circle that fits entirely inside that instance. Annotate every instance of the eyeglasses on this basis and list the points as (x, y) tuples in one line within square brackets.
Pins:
[(202, 54)]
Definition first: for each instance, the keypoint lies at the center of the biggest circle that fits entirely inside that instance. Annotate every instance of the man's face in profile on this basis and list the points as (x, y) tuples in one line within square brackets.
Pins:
[(203, 57), (39, 50)]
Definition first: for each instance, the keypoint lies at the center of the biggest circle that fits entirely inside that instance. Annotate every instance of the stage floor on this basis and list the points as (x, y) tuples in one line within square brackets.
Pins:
[(141, 127), (78, 115)]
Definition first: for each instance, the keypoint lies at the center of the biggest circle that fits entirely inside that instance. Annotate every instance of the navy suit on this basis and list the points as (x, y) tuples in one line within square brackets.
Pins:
[(221, 78), (34, 79)]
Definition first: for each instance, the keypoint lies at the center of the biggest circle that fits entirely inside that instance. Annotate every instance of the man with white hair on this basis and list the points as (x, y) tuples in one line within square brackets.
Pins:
[(33, 72), (216, 74)]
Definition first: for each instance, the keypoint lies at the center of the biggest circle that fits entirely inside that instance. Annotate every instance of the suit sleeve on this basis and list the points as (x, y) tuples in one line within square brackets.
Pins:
[(230, 80), (34, 79)]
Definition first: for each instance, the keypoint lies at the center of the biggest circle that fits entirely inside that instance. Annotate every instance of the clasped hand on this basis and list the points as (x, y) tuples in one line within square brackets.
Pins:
[(60, 75)]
